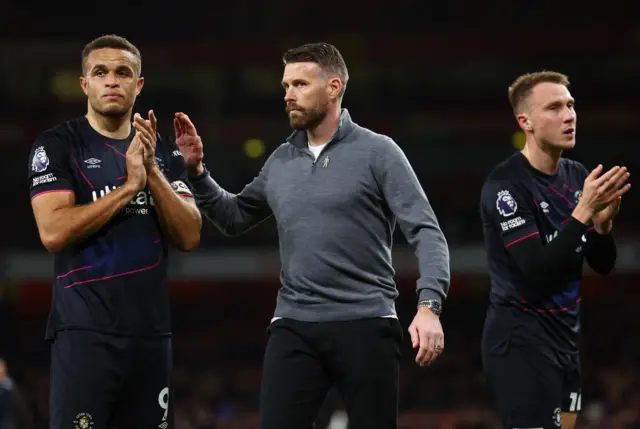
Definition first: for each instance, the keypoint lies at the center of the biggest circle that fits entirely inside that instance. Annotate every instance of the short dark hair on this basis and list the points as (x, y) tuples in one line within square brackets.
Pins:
[(327, 56), (111, 41), (521, 88)]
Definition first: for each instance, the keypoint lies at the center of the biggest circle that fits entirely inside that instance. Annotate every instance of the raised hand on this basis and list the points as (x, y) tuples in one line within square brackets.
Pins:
[(136, 172), (600, 191), (146, 133), (189, 143), (603, 220)]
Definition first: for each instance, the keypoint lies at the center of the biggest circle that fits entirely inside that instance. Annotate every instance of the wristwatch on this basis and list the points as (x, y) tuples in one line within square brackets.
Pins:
[(432, 304)]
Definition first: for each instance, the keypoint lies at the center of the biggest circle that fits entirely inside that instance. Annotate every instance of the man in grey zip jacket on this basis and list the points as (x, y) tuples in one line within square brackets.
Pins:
[(336, 191)]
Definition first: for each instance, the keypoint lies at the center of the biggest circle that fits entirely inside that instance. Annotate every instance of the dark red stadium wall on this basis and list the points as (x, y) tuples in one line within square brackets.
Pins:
[(34, 298)]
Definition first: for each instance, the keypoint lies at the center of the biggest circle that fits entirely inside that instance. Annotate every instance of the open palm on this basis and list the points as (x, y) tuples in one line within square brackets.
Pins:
[(188, 140), (608, 213)]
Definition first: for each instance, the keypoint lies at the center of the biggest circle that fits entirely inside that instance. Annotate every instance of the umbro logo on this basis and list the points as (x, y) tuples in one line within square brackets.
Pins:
[(545, 207), (92, 163)]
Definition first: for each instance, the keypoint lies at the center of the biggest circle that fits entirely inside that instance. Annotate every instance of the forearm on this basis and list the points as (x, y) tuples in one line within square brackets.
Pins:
[(422, 231), (544, 266), (419, 224), (415, 216), (180, 219), (432, 252), (601, 252), (224, 209), (72, 224)]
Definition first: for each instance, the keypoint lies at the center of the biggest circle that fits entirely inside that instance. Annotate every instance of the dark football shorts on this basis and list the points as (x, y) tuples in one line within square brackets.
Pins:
[(100, 381), (533, 386)]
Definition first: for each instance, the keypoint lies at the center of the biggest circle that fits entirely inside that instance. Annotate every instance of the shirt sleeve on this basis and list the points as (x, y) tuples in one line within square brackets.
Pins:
[(600, 251), (510, 210), (49, 166), (409, 204), (234, 214)]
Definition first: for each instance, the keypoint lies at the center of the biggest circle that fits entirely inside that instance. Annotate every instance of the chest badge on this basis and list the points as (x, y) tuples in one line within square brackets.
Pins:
[(577, 195)]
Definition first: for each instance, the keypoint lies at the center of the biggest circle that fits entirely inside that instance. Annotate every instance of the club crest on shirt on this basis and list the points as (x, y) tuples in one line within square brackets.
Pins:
[(577, 195), (83, 421), (505, 204), (40, 160), (557, 417)]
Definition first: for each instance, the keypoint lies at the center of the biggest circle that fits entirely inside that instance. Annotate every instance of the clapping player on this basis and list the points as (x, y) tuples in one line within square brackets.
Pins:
[(543, 215), (109, 197)]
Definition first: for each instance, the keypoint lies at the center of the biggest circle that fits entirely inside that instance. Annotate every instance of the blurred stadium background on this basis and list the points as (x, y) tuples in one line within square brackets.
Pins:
[(433, 75)]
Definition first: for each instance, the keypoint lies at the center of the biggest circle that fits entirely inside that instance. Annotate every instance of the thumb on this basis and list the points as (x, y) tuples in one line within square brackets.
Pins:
[(616, 204), (134, 143), (177, 130), (415, 338)]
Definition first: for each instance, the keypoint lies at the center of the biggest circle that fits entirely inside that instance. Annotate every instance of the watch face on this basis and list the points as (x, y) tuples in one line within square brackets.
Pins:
[(435, 307)]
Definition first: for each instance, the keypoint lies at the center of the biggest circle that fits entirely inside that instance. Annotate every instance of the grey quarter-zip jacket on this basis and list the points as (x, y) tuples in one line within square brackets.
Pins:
[(335, 217)]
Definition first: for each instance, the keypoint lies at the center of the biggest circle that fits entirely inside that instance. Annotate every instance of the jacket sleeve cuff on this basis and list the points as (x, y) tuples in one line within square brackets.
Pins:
[(424, 294), (199, 178)]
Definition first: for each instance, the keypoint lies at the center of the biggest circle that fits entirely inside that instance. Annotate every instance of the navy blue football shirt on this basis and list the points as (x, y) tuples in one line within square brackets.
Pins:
[(114, 281), (520, 203)]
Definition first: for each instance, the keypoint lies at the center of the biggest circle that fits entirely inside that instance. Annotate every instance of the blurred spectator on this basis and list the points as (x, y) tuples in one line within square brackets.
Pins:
[(14, 413)]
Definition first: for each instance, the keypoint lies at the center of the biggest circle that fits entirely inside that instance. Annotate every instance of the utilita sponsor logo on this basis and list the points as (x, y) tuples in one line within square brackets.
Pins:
[(139, 205)]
